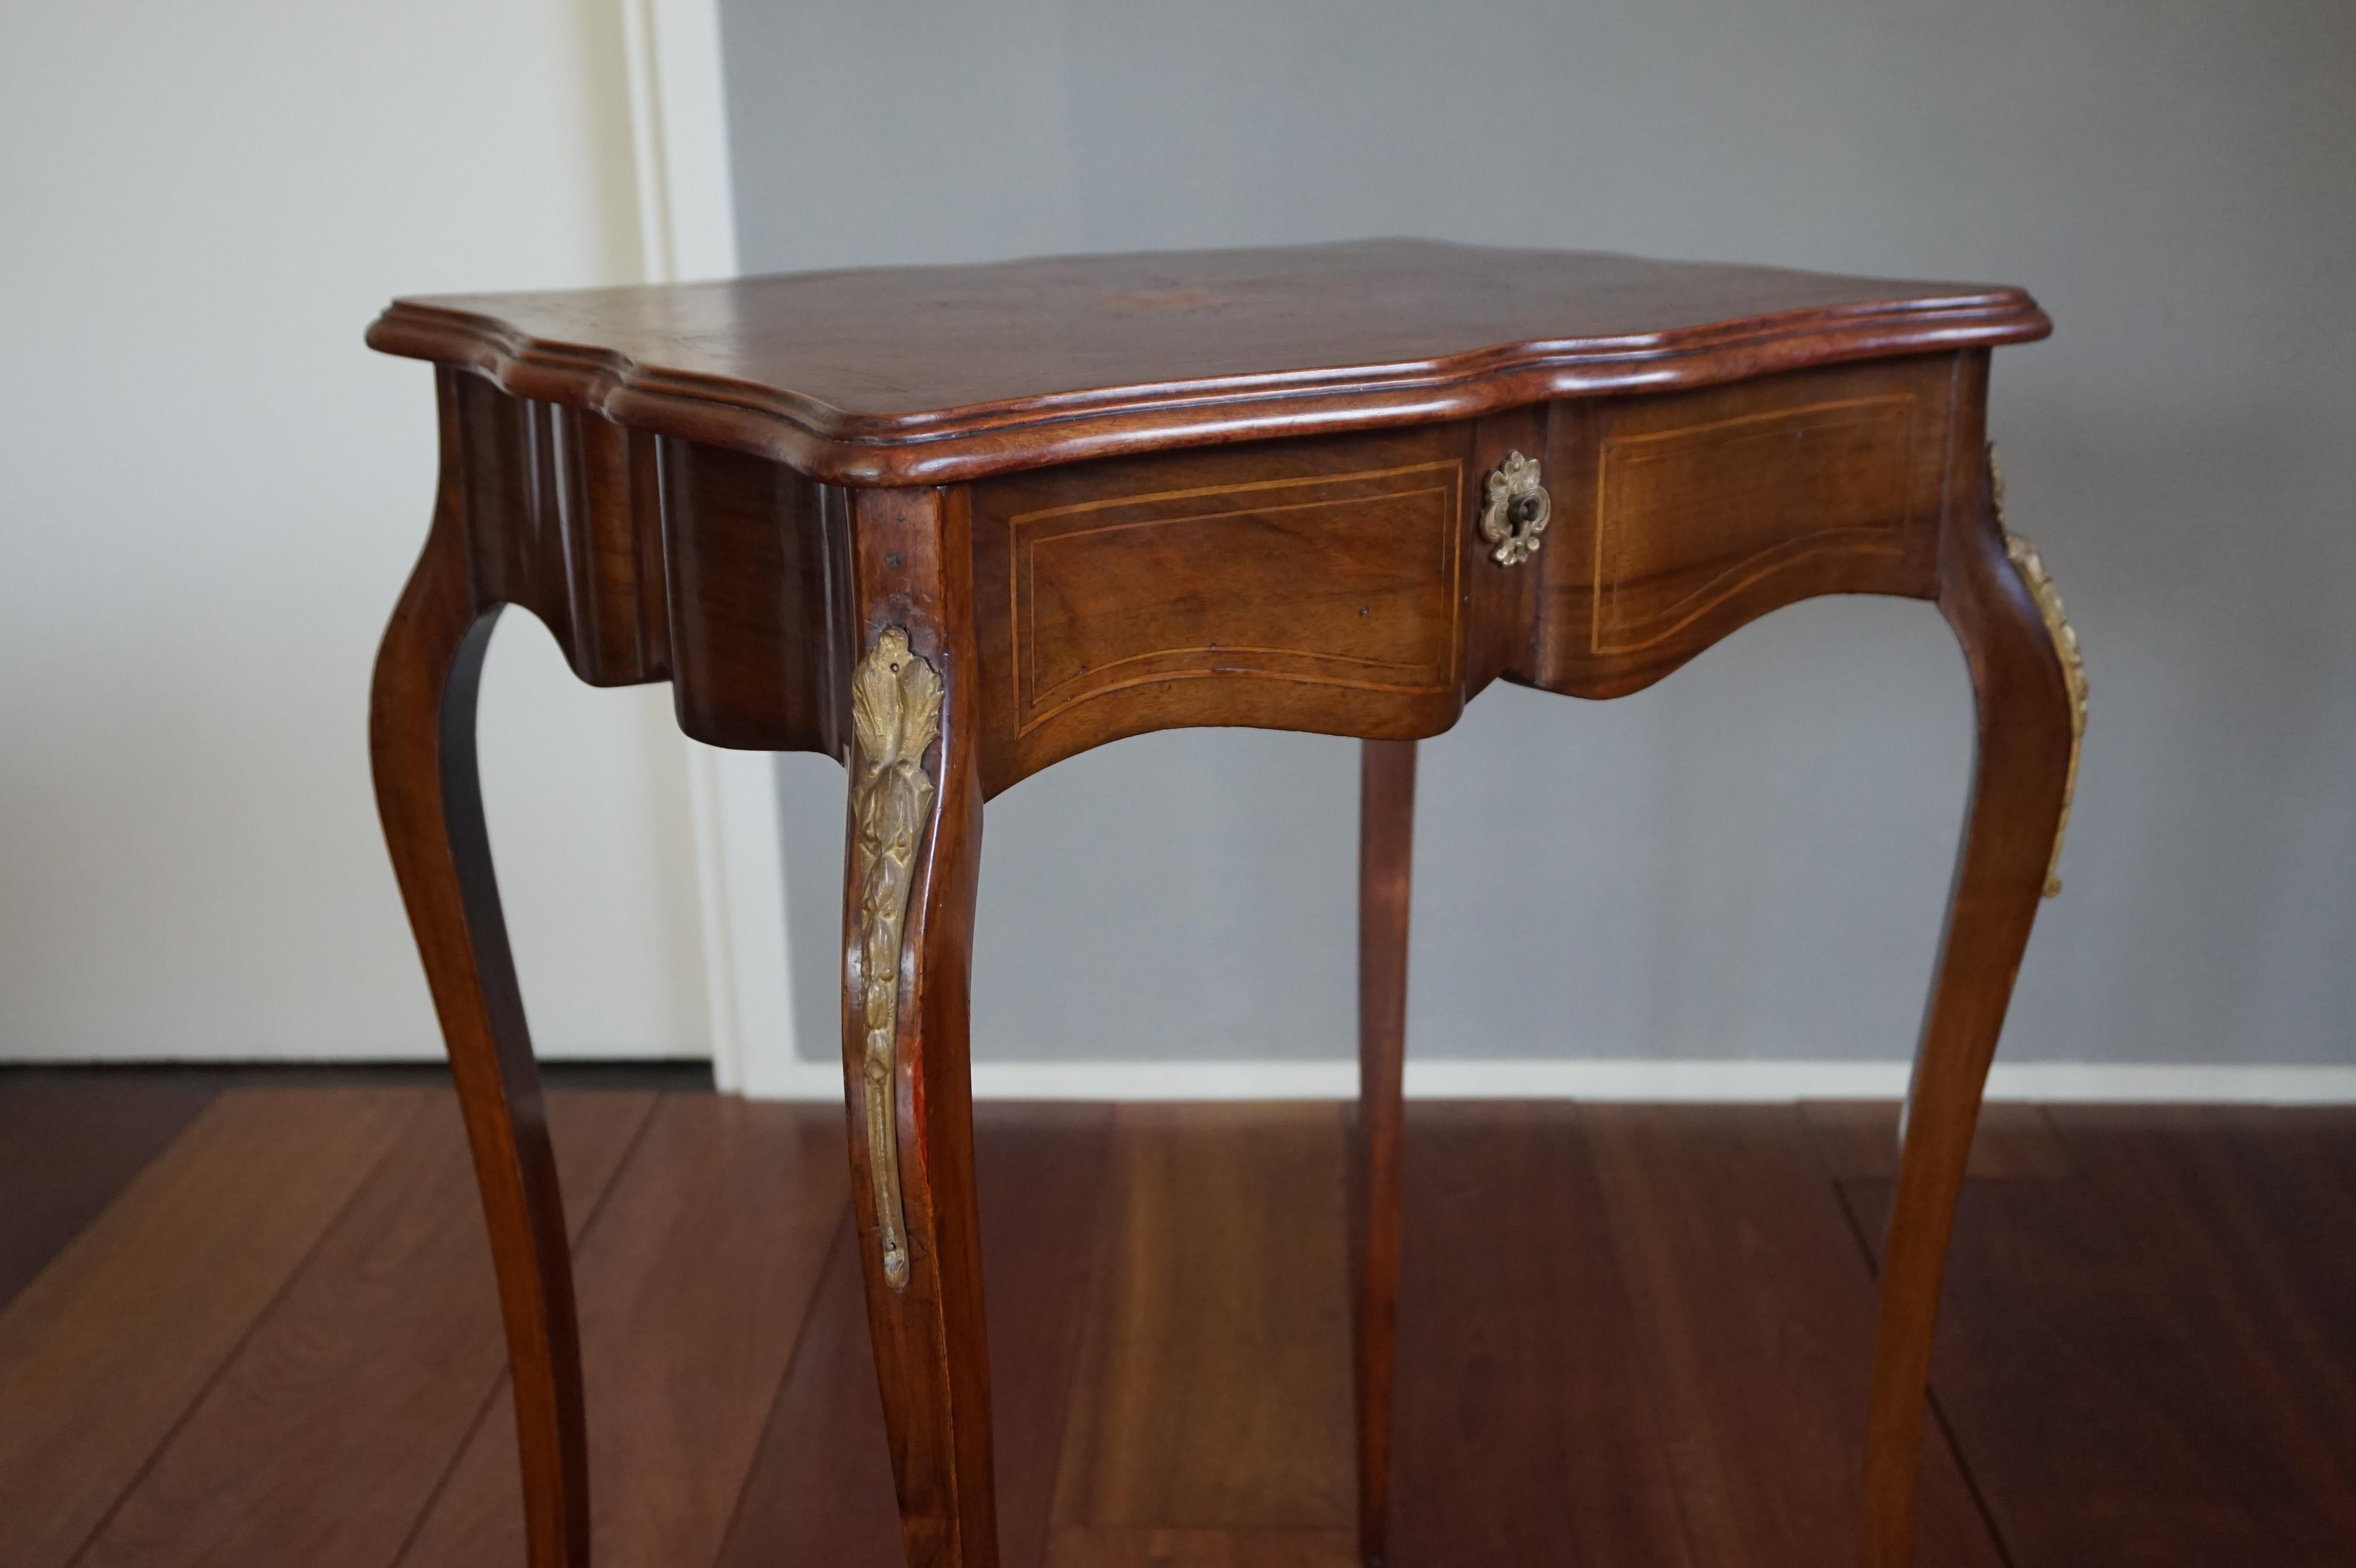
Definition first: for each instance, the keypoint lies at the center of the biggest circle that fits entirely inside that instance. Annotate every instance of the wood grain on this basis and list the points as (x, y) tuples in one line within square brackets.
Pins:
[(324, 1436), (1134, 1547), (1312, 584), (422, 703), (762, 629), (933, 375), (571, 492), (1690, 516), (1091, 585), (2142, 1358), (68, 1146), (1217, 1386), (2024, 760), (819, 1492), (1528, 1433), (105, 1351), (693, 1283), (1681, 518), (1857, 1140), (912, 572), (1385, 877), (1738, 1255), (2144, 1353)]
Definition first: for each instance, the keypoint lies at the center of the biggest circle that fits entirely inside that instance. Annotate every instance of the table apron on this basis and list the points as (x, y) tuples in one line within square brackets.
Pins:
[(1337, 583)]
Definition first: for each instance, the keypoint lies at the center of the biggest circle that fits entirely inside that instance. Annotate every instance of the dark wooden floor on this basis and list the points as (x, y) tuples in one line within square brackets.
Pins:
[(254, 1326)]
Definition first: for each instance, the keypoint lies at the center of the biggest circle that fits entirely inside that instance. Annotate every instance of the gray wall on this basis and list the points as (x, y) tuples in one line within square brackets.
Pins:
[(1749, 858)]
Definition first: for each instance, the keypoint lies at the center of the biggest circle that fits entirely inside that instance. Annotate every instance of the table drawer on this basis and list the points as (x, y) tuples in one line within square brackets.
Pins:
[(1681, 518), (1242, 585)]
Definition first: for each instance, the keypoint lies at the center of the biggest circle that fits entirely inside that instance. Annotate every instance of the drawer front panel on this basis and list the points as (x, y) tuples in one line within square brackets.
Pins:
[(1682, 517), (1218, 587), (1688, 518)]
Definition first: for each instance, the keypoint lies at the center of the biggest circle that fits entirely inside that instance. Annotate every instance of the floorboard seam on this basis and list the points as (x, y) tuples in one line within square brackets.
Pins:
[(1651, 1376), (1099, 1248), (835, 1243), (245, 1336), (499, 1384), (1931, 1398)]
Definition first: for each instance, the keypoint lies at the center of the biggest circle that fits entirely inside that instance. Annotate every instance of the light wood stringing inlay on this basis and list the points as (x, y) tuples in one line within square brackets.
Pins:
[(1764, 491), (1347, 580)]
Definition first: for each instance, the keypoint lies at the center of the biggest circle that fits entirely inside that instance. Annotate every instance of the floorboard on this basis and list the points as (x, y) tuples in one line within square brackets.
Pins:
[(326, 1434), (1759, 1308), (1090, 1546), (1216, 1391), (820, 1491), (1857, 1140), (68, 1143), (105, 1351), (1525, 1435), (693, 1279), (2132, 1356), (1633, 1335)]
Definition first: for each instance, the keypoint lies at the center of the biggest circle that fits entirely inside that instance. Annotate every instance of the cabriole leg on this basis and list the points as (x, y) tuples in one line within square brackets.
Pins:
[(913, 857), (2029, 695), (421, 743), (1385, 857)]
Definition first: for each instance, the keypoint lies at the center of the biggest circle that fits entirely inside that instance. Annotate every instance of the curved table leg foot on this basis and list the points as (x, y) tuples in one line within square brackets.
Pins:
[(2025, 691), (1386, 858), (422, 744)]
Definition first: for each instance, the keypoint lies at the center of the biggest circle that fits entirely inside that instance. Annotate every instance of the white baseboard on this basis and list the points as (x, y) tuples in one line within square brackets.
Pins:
[(1608, 1079)]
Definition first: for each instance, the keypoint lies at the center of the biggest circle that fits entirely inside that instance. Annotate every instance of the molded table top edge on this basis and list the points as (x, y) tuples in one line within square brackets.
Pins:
[(938, 375)]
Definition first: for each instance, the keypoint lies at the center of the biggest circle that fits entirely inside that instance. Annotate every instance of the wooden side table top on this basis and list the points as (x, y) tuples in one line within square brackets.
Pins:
[(951, 525), (931, 375)]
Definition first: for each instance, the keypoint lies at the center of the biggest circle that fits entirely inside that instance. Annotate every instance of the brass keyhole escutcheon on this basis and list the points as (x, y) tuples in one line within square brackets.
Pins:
[(1518, 510)]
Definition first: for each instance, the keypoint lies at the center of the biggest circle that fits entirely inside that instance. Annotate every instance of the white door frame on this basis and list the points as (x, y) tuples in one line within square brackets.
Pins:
[(687, 229)]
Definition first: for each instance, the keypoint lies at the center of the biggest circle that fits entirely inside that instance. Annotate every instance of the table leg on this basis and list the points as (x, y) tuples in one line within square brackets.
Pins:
[(422, 743), (1385, 859), (2022, 669), (913, 859)]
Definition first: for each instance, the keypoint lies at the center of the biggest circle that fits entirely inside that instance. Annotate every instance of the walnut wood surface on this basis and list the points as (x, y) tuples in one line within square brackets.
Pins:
[(93, 1381), (1386, 868), (1101, 496), (384, 1333), (429, 798), (909, 375), (911, 572), (86, 1144), (682, 1357), (2022, 705), (2145, 1354), (1527, 1429)]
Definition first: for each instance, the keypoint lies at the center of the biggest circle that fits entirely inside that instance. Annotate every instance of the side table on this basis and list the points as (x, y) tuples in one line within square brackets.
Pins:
[(952, 524)]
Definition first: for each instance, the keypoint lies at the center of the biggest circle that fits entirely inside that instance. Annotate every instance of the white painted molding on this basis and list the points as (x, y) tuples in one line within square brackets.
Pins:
[(687, 229), (741, 891), (678, 138), (1609, 1080)]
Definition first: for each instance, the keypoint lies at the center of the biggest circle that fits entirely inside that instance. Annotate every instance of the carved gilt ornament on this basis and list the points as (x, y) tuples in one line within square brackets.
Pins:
[(2039, 583), (896, 711)]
